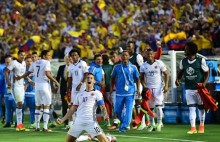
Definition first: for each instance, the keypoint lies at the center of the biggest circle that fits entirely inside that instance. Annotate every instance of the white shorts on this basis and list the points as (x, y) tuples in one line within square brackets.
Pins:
[(18, 93), (192, 97), (157, 97), (43, 96), (136, 94), (92, 127)]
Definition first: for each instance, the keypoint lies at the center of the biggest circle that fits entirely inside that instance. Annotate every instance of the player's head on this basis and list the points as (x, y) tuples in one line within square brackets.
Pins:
[(28, 61), (34, 56), (45, 54), (191, 49), (75, 55), (90, 80), (98, 59), (105, 59), (131, 47), (114, 57), (8, 59), (125, 56), (149, 54), (21, 55)]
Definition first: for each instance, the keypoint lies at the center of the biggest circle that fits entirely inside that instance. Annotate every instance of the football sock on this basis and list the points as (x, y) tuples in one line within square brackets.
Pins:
[(19, 115), (159, 115), (202, 117), (37, 118), (192, 116), (46, 116)]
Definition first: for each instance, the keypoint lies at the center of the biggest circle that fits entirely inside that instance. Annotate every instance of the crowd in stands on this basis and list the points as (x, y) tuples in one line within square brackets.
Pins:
[(98, 26)]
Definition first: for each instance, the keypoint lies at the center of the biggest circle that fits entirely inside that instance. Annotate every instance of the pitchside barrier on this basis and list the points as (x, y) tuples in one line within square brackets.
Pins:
[(175, 110)]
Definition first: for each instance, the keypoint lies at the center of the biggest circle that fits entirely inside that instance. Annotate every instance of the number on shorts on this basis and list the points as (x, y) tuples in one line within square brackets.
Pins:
[(38, 69), (97, 130)]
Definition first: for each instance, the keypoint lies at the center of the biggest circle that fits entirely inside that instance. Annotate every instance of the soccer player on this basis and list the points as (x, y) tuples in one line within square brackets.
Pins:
[(42, 74), (17, 68), (195, 70), (30, 93), (77, 74), (85, 105), (151, 77), (125, 74)]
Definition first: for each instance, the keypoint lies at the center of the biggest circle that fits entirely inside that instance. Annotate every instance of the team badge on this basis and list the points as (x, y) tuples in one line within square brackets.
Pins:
[(155, 67), (79, 67), (92, 94), (130, 69)]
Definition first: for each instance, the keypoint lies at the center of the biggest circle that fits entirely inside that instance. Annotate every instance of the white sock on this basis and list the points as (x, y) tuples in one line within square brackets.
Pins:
[(192, 116), (19, 115), (152, 122), (37, 118), (202, 117), (143, 120), (46, 117), (159, 115)]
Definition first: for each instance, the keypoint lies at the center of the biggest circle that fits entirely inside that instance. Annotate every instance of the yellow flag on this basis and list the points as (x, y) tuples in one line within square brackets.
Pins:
[(1, 32), (36, 38), (19, 4), (101, 4)]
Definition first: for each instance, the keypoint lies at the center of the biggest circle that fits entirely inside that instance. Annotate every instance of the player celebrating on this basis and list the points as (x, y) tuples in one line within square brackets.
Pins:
[(86, 103), (42, 74), (17, 68)]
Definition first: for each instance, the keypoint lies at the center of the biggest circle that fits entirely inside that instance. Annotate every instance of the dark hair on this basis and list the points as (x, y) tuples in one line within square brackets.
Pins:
[(193, 49), (112, 53), (20, 51), (125, 51), (90, 74), (7, 56), (149, 50), (97, 55), (28, 57), (34, 53), (105, 59), (44, 53), (75, 50)]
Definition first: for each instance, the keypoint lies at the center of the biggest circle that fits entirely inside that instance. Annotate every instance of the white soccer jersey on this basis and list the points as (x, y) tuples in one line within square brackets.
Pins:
[(153, 73), (17, 69), (87, 105), (39, 68), (77, 71)]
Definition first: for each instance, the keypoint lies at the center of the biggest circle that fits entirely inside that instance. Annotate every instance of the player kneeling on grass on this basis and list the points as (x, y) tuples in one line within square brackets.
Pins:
[(86, 103)]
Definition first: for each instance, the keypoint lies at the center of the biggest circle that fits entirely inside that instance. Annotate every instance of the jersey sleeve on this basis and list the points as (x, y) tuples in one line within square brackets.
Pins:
[(31, 69), (162, 66), (11, 65), (142, 68), (140, 59), (47, 67), (99, 98), (70, 71), (76, 101), (114, 73), (85, 67), (204, 66)]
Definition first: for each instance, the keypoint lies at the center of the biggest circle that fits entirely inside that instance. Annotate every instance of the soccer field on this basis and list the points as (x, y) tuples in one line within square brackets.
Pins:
[(169, 133)]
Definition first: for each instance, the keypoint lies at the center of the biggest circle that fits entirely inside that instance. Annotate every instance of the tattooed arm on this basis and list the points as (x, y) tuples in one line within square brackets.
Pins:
[(104, 111)]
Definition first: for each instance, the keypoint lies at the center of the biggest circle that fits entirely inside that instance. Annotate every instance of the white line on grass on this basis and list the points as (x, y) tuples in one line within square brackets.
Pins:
[(139, 137)]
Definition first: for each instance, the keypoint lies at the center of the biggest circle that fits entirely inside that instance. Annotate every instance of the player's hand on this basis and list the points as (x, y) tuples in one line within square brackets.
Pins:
[(177, 82), (17, 77), (57, 84), (59, 121), (9, 84), (79, 86), (165, 89)]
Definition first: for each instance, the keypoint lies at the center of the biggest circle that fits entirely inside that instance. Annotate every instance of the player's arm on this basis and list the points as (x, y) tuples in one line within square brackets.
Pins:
[(82, 81), (142, 80), (68, 114), (104, 111), (69, 84), (166, 80), (52, 79), (7, 77), (205, 69)]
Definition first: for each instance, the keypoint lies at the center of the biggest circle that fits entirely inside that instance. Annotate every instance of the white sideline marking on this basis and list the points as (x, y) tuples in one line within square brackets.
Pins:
[(139, 137)]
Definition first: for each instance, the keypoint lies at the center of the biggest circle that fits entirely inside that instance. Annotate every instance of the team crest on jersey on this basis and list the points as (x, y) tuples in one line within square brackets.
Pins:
[(190, 70), (92, 94), (79, 67), (130, 69), (155, 67)]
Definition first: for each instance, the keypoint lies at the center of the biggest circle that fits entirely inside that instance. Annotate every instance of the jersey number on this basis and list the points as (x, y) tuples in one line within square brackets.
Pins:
[(97, 130), (38, 69), (84, 99)]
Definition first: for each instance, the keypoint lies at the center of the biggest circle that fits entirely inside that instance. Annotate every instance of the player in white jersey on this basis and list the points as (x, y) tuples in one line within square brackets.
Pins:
[(151, 77), (77, 74), (17, 68), (42, 74), (86, 104)]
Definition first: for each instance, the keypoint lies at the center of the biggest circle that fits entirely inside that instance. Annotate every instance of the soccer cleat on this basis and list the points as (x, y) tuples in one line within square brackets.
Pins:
[(201, 129), (141, 127), (20, 127), (158, 127), (46, 130), (134, 125), (147, 122), (114, 126), (52, 125), (37, 129), (122, 130), (192, 131), (150, 128), (32, 126)]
